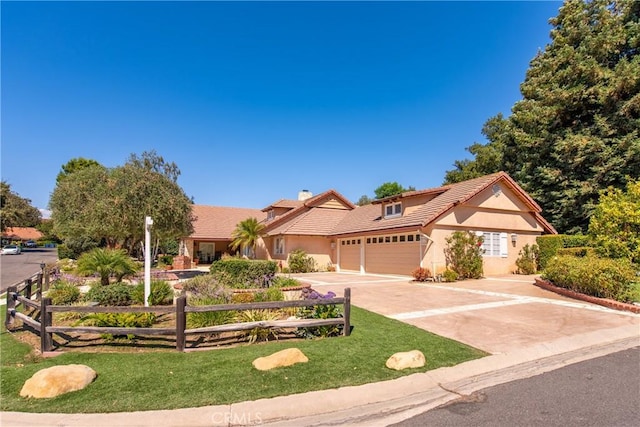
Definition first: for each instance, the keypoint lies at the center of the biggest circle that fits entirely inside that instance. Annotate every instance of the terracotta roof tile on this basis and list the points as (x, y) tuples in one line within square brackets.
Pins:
[(318, 221), (284, 203), (22, 233), (369, 219), (217, 222)]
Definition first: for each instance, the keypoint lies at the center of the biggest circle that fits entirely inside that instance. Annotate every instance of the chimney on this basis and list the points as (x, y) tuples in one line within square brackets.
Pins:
[(304, 195)]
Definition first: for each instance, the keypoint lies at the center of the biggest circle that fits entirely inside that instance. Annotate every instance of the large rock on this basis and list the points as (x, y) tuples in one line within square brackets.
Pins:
[(407, 359), (57, 380), (287, 357)]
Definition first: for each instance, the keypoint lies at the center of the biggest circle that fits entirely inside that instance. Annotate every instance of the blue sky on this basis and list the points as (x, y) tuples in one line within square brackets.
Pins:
[(256, 101)]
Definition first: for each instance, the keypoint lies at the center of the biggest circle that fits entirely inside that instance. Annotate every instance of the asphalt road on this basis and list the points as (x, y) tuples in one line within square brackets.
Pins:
[(15, 268), (604, 391)]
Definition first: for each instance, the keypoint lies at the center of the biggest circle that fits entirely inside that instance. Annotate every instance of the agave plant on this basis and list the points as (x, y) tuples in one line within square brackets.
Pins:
[(106, 263)]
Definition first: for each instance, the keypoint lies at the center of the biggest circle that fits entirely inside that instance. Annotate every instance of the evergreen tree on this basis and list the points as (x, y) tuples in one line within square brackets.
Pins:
[(577, 129)]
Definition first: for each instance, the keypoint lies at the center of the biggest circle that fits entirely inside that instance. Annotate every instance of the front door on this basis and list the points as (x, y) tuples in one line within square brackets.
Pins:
[(206, 253)]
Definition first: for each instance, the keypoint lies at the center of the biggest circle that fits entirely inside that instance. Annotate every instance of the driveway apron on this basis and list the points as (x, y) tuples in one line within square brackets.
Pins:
[(495, 314)]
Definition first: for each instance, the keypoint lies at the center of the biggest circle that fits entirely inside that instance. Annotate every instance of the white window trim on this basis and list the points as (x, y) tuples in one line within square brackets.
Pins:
[(489, 245), (394, 207), (270, 215)]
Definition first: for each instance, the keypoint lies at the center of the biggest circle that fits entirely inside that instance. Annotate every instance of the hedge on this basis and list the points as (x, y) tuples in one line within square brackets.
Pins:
[(244, 273), (550, 244), (590, 275)]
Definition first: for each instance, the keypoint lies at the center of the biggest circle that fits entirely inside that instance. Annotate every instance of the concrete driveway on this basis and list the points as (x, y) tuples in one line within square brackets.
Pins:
[(495, 314)]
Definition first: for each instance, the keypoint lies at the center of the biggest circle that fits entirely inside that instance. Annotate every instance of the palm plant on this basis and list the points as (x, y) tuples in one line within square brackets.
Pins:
[(106, 262), (246, 235)]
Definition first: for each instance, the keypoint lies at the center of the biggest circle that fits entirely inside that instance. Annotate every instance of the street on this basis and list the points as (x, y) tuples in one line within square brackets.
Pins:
[(604, 391), (15, 268)]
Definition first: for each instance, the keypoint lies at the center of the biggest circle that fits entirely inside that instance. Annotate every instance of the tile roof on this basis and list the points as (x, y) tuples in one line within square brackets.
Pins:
[(217, 222), (284, 203), (448, 196), (22, 233), (318, 221)]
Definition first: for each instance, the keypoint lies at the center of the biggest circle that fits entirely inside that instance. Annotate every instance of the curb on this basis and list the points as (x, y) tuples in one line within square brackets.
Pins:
[(605, 302)]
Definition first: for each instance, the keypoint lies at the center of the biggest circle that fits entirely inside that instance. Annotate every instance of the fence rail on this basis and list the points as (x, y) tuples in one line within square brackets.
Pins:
[(22, 295)]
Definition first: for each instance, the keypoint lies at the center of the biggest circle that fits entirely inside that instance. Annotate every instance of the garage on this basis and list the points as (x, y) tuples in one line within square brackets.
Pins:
[(350, 254), (392, 254)]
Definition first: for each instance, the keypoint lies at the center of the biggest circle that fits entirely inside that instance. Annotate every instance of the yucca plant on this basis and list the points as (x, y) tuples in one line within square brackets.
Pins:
[(106, 263)]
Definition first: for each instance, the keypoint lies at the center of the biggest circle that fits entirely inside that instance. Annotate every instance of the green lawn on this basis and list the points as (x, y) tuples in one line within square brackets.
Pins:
[(168, 379)]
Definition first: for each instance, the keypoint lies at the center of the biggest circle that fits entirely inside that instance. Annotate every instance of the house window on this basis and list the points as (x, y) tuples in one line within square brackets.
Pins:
[(375, 240), (342, 242), (270, 215), (278, 244), (410, 238), (494, 244), (394, 239), (368, 240), (393, 210), (387, 239), (403, 238)]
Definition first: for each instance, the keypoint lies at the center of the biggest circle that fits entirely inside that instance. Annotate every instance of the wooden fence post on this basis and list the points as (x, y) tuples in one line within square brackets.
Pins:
[(27, 289), (39, 292), (181, 323), (347, 312), (46, 338), (46, 279), (11, 306)]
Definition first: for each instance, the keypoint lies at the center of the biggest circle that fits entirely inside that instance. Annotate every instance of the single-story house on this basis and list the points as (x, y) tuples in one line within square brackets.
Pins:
[(394, 235), (21, 234)]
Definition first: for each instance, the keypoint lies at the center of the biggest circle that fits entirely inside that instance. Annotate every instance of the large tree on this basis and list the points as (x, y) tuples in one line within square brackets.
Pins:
[(390, 189), (16, 211), (75, 165), (577, 129), (111, 204)]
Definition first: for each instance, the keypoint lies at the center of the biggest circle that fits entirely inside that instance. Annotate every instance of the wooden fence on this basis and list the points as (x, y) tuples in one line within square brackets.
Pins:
[(22, 295)]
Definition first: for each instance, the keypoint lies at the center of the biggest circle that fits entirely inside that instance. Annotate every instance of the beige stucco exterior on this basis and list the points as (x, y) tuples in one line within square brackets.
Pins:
[(411, 233)]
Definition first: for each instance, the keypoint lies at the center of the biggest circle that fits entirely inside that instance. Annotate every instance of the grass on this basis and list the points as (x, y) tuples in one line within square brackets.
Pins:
[(170, 380)]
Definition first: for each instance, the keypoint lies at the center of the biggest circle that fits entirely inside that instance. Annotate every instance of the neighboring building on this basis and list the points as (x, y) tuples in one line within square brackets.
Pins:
[(392, 235), (21, 234)]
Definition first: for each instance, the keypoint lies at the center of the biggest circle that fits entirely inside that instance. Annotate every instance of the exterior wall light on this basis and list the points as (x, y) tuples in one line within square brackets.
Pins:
[(514, 238)]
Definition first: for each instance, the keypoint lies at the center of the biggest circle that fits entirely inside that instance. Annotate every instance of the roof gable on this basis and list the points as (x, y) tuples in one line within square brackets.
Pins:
[(446, 198), (330, 200)]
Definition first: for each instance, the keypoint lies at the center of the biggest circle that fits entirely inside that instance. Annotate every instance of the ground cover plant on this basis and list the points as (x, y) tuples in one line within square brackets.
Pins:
[(152, 380)]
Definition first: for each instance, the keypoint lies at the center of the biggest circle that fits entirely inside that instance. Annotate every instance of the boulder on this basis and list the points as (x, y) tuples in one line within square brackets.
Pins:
[(407, 359), (287, 357), (57, 380)]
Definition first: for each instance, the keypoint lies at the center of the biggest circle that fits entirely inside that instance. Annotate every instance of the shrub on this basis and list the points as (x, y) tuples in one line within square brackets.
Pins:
[(421, 274), (242, 298), (463, 254), (73, 248), (329, 311), (63, 293), (527, 261), (117, 294), (599, 277), (300, 262), (577, 251), (450, 276), (165, 259), (548, 246), (271, 294), (119, 320), (106, 263), (206, 285), (259, 334), (161, 293), (243, 273), (285, 282), (203, 319)]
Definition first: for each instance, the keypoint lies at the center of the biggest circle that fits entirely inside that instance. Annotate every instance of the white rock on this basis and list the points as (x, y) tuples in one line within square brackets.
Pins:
[(287, 357)]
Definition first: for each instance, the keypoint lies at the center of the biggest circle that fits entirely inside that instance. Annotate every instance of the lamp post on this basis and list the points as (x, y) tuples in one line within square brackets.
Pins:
[(148, 222)]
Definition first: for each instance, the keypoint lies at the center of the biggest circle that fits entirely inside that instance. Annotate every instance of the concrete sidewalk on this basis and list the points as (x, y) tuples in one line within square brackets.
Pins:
[(527, 330)]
